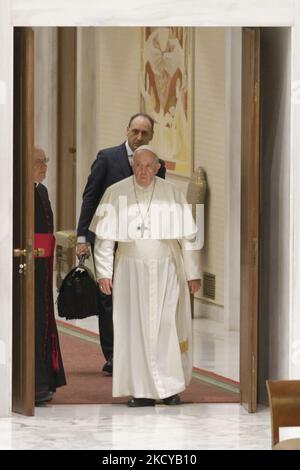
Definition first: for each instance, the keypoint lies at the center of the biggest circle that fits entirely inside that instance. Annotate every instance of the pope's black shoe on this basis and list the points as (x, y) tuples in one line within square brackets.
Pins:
[(135, 402), (172, 400), (108, 366), (43, 397)]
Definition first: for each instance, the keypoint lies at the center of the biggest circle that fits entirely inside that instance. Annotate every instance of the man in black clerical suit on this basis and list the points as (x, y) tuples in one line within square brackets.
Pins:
[(111, 165), (49, 370)]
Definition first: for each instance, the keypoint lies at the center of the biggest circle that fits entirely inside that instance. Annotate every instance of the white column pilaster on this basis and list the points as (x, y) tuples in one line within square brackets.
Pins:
[(6, 204), (232, 179)]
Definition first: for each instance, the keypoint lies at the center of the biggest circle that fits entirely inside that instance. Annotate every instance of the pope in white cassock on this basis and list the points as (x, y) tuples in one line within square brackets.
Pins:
[(151, 274)]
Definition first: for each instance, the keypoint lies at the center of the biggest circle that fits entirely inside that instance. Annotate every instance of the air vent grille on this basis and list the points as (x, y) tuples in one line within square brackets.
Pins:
[(209, 286)]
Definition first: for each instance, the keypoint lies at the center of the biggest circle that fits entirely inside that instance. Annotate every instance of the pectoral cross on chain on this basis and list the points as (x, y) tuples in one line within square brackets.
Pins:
[(142, 228)]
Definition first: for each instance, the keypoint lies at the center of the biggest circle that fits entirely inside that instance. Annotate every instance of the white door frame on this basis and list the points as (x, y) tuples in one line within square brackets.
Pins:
[(223, 13)]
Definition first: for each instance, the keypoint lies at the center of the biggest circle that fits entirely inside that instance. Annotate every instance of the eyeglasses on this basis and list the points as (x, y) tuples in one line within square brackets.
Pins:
[(38, 162)]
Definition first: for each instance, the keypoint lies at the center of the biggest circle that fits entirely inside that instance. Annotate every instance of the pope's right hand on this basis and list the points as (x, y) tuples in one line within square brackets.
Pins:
[(105, 285), (83, 249)]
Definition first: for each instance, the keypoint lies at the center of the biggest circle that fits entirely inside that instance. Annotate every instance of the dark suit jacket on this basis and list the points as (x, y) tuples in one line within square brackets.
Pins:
[(111, 165)]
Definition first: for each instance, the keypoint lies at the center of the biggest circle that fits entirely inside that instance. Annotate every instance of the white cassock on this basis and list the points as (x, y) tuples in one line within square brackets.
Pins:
[(151, 300)]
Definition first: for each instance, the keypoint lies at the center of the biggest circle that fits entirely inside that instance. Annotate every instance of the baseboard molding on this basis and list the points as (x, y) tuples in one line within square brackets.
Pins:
[(209, 310)]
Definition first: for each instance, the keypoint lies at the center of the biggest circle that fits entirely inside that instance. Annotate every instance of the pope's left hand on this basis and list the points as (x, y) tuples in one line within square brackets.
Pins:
[(194, 285)]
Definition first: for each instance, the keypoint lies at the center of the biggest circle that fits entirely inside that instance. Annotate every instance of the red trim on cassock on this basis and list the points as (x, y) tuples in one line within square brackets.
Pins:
[(45, 241)]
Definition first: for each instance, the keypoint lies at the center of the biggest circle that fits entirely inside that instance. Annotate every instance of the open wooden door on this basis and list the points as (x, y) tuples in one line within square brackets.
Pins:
[(23, 225), (250, 165)]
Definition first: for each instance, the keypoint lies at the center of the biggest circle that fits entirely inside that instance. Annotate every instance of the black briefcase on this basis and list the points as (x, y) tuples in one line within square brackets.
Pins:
[(79, 294)]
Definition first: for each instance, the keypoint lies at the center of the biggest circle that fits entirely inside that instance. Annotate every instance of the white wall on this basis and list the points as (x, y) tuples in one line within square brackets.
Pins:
[(108, 77), (212, 70), (119, 80), (293, 308), (153, 12), (6, 201), (108, 71), (86, 108), (280, 200), (275, 202), (232, 179), (209, 144), (218, 150), (45, 101)]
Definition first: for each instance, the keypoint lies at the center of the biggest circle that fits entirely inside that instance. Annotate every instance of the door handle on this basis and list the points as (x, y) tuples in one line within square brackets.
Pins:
[(18, 252), (39, 252)]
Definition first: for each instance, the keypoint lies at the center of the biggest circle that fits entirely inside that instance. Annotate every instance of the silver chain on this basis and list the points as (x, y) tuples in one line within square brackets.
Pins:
[(142, 226)]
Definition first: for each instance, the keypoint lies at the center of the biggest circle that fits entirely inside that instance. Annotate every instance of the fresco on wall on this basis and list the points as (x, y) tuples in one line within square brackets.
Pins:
[(166, 93)]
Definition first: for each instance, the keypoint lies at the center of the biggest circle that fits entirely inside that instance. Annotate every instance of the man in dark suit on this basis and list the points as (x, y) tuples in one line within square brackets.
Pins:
[(111, 165)]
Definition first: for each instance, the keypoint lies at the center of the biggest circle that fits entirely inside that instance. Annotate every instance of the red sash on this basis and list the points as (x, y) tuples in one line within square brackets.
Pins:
[(45, 241)]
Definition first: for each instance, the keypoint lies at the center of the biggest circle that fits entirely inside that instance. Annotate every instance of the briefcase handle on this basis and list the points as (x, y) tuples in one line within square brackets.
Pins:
[(82, 259)]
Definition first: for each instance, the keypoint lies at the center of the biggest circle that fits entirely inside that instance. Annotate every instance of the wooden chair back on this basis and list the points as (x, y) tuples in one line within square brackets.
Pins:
[(284, 400)]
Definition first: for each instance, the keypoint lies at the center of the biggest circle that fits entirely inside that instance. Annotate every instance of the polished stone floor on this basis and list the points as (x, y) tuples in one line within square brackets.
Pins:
[(193, 426), (96, 427), (214, 348)]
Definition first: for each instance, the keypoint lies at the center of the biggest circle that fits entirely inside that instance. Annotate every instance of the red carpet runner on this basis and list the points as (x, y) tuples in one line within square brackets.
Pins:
[(87, 384)]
